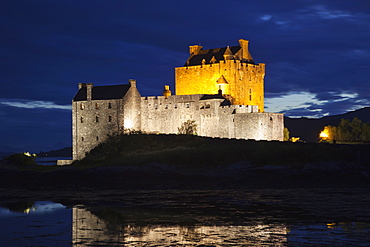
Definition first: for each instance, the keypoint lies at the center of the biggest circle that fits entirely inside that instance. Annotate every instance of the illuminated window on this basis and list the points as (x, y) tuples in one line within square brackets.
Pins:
[(82, 119), (82, 106), (96, 105), (110, 118), (97, 119), (109, 105)]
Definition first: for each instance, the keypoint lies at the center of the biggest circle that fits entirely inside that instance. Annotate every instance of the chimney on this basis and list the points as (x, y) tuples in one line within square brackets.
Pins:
[(132, 82), (81, 85), (166, 91), (194, 49), (89, 87), (245, 52)]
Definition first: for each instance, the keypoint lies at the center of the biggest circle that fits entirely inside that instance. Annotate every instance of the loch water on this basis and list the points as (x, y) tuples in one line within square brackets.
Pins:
[(259, 217)]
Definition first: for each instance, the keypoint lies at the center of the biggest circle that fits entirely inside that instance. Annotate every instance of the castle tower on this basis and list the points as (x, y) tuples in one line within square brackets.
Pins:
[(230, 69), (99, 111)]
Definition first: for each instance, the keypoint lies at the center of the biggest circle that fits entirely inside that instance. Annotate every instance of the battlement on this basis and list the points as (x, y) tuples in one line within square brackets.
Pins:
[(242, 108)]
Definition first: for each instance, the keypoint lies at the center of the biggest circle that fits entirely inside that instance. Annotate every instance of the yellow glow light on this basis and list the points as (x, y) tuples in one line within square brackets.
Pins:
[(324, 134)]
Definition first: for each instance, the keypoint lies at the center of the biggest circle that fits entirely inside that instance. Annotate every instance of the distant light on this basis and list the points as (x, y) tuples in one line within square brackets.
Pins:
[(324, 134)]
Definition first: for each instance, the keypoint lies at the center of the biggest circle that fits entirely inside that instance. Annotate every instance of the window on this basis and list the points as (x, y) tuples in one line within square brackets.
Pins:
[(82, 106), (166, 107), (109, 105), (82, 119), (187, 105), (82, 138), (97, 119), (97, 138), (96, 105), (110, 119), (208, 105), (155, 106), (175, 106)]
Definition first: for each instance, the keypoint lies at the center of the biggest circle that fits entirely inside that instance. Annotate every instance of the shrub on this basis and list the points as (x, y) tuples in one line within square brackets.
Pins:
[(22, 159), (188, 128)]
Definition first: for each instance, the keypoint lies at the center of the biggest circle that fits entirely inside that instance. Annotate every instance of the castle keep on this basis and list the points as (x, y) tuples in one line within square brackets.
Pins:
[(230, 69), (220, 89)]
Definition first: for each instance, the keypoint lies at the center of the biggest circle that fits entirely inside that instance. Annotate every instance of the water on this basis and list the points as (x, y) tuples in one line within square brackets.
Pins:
[(49, 161), (324, 217)]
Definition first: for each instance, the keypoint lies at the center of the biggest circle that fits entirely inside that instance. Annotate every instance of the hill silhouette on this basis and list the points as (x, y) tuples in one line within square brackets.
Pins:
[(308, 129)]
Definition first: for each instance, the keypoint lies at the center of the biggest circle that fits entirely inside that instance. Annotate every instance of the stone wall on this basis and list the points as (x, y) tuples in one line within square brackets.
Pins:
[(165, 115), (93, 121), (245, 81), (160, 114), (131, 108)]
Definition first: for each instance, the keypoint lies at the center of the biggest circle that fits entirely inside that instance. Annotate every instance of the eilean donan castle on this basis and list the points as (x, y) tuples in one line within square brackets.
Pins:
[(221, 89)]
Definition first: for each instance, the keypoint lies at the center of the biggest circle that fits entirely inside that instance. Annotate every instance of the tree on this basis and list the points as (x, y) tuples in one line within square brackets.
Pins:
[(286, 134), (188, 128), (344, 130), (347, 130)]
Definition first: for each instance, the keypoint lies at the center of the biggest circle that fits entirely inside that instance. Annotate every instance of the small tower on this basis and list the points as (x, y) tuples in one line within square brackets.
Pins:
[(166, 91), (228, 55)]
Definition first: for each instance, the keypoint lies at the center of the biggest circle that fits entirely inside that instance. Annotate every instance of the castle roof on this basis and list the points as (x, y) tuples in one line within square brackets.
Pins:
[(207, 55), (214, 55), (103, 92), (212, 96), (224, 102)]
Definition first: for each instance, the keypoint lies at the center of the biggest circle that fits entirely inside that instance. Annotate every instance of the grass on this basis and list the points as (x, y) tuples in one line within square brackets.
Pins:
[(185, 151)]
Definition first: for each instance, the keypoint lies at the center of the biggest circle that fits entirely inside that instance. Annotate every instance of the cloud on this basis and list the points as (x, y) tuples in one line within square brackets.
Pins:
[(34, 104), (289, 104), (322, 12), (313, 105)]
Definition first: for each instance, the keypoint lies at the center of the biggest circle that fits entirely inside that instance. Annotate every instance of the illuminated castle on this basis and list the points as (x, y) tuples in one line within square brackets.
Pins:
[(230, 69), (222, 90)]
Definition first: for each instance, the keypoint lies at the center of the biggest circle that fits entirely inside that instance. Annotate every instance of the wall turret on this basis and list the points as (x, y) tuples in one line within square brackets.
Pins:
[(166, 91), (228, 55), (194, 49)]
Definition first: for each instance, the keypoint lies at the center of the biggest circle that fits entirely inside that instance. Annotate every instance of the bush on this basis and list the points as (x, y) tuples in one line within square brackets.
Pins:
[(188, 128), (22, 159)]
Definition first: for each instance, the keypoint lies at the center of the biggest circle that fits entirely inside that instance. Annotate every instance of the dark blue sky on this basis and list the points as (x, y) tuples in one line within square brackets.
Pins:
[(317, 54)]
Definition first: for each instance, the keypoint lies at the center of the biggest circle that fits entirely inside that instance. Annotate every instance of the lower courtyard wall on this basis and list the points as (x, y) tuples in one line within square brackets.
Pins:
[(165, 115)]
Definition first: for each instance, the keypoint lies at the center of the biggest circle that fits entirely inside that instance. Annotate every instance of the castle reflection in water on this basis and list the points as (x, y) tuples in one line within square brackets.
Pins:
[(88, 229)]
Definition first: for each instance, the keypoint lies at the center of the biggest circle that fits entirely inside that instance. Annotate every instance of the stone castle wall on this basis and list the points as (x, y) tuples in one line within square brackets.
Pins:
[(165, 115), (245, 81), (225, 98), (92, 122)]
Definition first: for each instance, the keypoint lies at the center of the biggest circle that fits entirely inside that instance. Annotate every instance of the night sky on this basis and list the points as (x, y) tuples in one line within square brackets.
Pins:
[(317, 54)]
